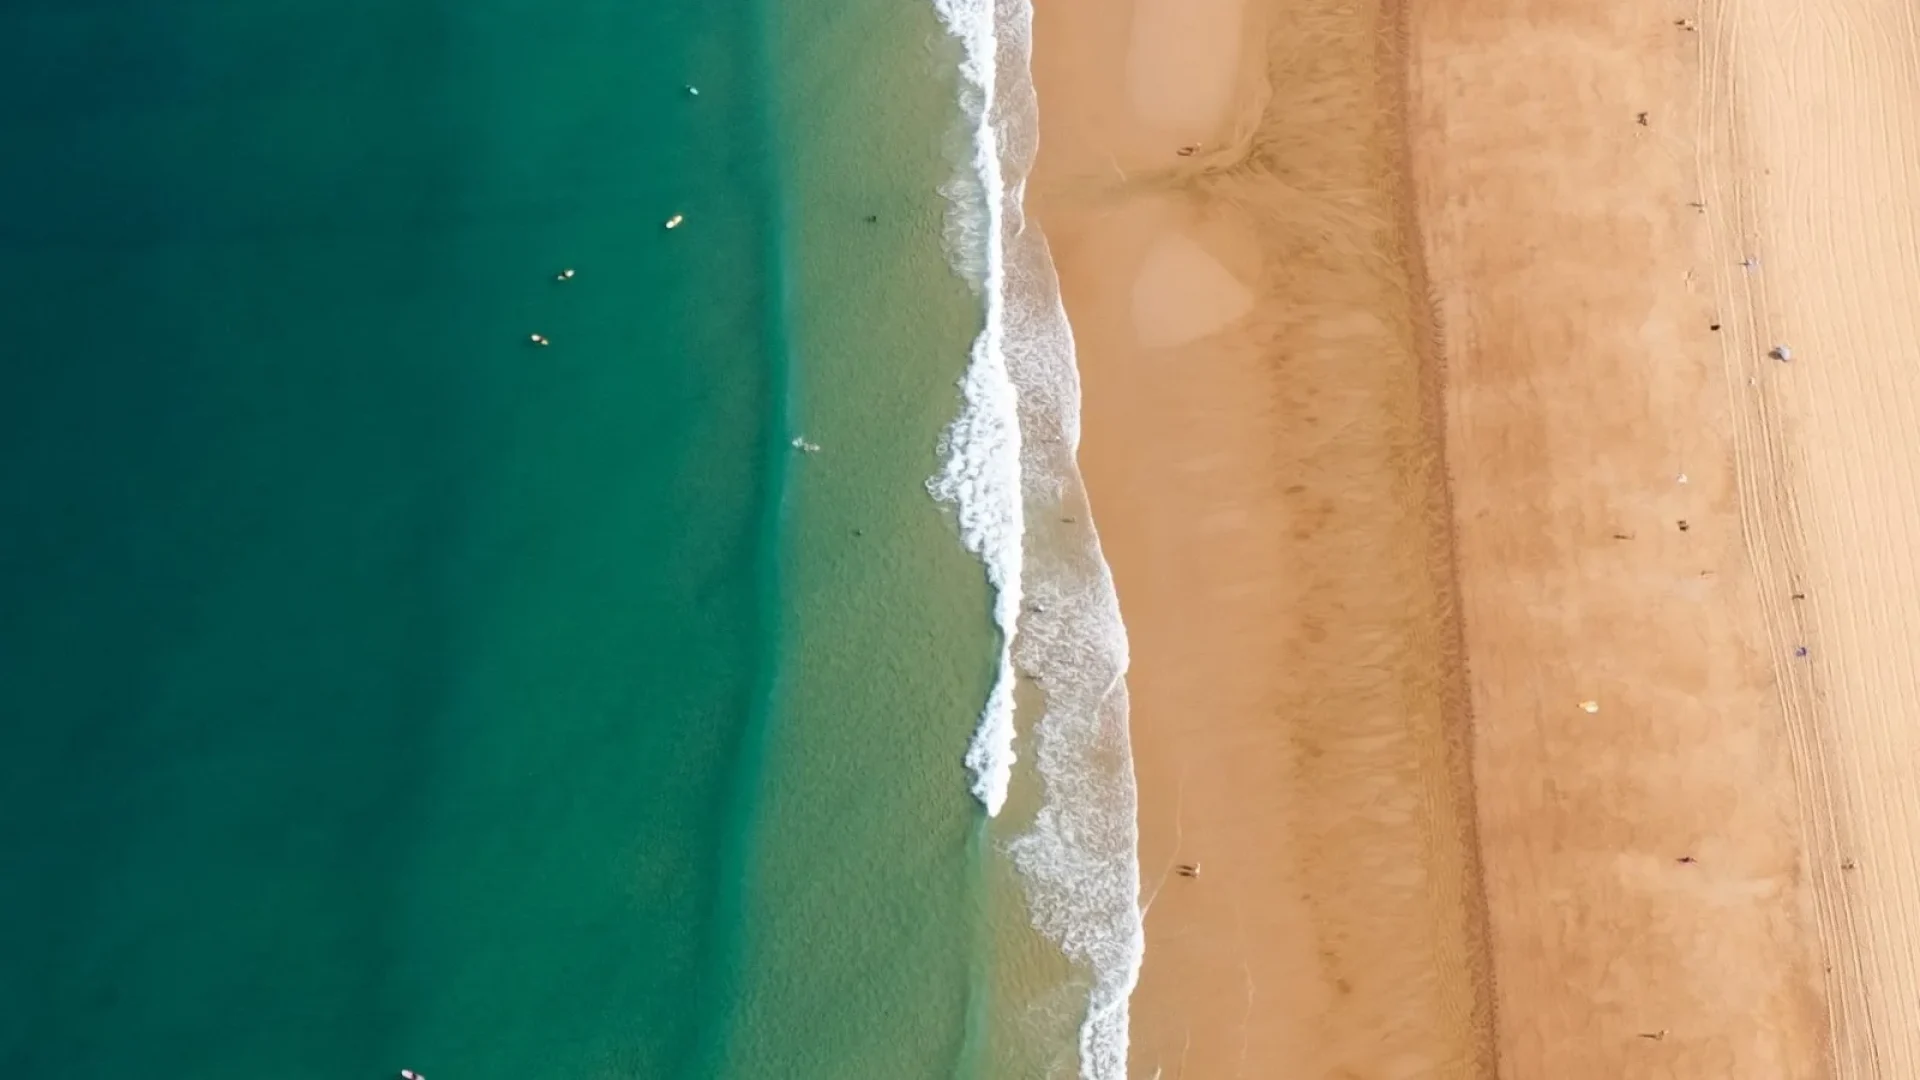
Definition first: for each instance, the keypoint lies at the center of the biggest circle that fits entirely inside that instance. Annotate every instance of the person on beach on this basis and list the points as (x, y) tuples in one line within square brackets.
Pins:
[(1188, 869)]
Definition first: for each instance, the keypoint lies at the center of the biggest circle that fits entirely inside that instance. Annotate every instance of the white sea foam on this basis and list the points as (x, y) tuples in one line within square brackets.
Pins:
[(1008, 459), (980, 474)]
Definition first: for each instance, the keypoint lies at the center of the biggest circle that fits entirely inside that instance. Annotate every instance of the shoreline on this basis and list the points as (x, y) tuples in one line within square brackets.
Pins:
[(1009, 477)]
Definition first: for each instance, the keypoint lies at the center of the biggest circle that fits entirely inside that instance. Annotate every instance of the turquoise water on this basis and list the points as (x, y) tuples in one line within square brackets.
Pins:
[(869, 929), (381, 689)]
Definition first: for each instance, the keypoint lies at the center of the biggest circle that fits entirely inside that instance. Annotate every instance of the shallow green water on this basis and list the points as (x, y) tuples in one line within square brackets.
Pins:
[(869, 930), (381, 689)]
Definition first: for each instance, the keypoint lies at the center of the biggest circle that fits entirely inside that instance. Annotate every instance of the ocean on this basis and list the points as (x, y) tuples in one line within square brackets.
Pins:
[(386, 689)]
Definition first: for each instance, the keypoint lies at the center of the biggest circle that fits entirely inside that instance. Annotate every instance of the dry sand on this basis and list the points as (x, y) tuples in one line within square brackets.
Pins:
[(1421, 856), (1817, 173), (1577, 289)]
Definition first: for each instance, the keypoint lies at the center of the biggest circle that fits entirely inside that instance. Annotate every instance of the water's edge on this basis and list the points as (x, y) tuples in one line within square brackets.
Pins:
[(1011, 475)]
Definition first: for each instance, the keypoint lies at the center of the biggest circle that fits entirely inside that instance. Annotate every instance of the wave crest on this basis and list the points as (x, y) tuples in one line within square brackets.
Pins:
[(1008, 459)]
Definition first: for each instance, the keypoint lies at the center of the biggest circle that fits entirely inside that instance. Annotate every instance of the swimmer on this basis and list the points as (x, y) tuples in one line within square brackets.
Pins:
[(539, 339), (564, 275), (674, 221)]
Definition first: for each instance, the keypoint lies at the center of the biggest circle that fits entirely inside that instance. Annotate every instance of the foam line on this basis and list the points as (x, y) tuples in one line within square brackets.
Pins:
[(1008, 461)]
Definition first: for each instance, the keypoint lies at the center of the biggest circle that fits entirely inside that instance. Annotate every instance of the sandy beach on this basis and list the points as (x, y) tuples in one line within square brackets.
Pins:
[(1497, 418), (1261, 451), (1816, 166), (1644, 863)]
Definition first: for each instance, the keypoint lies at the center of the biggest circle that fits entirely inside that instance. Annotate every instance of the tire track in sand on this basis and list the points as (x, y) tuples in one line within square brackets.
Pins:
[(1772, 528), (1824, 100)]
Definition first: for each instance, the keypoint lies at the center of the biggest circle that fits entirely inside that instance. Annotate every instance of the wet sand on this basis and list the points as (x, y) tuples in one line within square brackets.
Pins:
[(1469, 539), (1261, 450)]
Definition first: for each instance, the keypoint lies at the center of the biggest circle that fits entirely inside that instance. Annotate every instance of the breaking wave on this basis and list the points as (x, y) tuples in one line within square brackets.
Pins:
[(1008, 469)]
